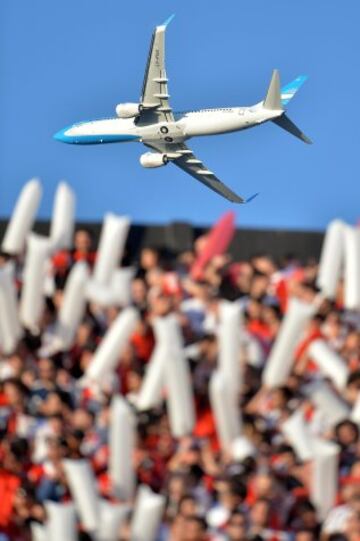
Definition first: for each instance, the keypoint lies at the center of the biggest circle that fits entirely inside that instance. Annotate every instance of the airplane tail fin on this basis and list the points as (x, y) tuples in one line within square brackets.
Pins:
[(286, 124), (288, 91), (273, 96)]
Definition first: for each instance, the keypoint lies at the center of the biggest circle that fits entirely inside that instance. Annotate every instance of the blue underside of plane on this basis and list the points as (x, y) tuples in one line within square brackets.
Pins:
[(94, 139)]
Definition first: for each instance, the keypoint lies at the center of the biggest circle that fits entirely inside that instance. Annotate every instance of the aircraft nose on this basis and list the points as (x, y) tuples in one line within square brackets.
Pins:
[(62, 136)]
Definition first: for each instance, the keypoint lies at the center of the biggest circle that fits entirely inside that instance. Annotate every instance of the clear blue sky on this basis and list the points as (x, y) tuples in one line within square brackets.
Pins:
[(72, 60)]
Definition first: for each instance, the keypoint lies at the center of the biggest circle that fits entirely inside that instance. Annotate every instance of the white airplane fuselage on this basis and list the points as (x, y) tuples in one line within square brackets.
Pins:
[(153, 122), (189, 124)]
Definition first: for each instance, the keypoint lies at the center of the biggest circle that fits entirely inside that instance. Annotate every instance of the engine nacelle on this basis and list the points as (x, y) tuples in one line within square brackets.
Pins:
[(127, 110), (153, 159)]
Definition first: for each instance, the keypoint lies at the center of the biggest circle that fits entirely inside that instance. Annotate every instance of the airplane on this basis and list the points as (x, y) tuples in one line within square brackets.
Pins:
[(152, 121)]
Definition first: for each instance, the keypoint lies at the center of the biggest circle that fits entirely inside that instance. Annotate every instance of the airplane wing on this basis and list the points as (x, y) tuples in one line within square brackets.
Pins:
[(188, 162), (155, 97)]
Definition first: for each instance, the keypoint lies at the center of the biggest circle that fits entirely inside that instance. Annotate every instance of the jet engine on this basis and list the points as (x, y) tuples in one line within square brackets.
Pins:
[(127, 110), (153, 159)]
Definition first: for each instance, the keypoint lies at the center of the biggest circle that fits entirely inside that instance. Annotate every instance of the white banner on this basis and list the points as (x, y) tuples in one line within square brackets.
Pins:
[(149, 508), (122, 443), (280, 361), (115, 340), (22, 218), (82, 484), (32, 294), (331, 260), (63, 217)]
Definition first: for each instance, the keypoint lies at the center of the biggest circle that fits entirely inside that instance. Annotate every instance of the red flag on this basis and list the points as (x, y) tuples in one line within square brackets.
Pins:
[(217, 242)]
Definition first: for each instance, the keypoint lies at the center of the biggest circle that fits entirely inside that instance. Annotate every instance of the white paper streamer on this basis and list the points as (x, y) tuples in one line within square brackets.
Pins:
[(299, 436), (112, 345), (150, 394), (329, 362), (229, 342), (82, 485), (120, 284), (10, 330), (324, 484), (242, 448), (332, 408), (252, 350), (22, 218), (112, 516), (116, 293), (122, 443), (355, 413), (39, 532), (352, 268), (32, 296), (224, 403), (111, 246), (279, 363), (73, 305), (61, 523), (149, 508), (331, 260), (62, 223), (179, 397)]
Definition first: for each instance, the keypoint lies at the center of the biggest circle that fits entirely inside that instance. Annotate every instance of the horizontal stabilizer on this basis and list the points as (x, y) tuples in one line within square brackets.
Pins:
[(251, 198), (286, 124)]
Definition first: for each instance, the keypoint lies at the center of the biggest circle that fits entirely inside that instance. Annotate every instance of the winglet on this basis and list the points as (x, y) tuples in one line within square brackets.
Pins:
[(168, 20), (251, 197)]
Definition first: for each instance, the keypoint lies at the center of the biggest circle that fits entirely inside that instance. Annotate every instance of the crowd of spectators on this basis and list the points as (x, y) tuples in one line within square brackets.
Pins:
[(48, 412)]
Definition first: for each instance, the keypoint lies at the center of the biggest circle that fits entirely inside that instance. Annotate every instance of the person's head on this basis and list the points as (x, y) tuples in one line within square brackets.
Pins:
[(187, 506), (305, 535), (82, 241), (354, 500), (353, 387), (16, 454), (56, 449), (46, 370), (280, 397), (14, 392), (231, 492), (253, 309), (208, 348), (306, 513), (352, 341), (138, 291), (176, 487), (259, 285), (286, 458), (16, 363), (149, 258), (74, 440), (56, 424), (236, 527), (134, 379), (264, 264), (194, 529), (82, 419), (337, 537), (160, 305), (264, 485), (260, 513), (346, 433), (84, 332)]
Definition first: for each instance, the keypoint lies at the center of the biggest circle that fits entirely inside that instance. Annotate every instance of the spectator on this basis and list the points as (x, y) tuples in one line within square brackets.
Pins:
[(50, 409)]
